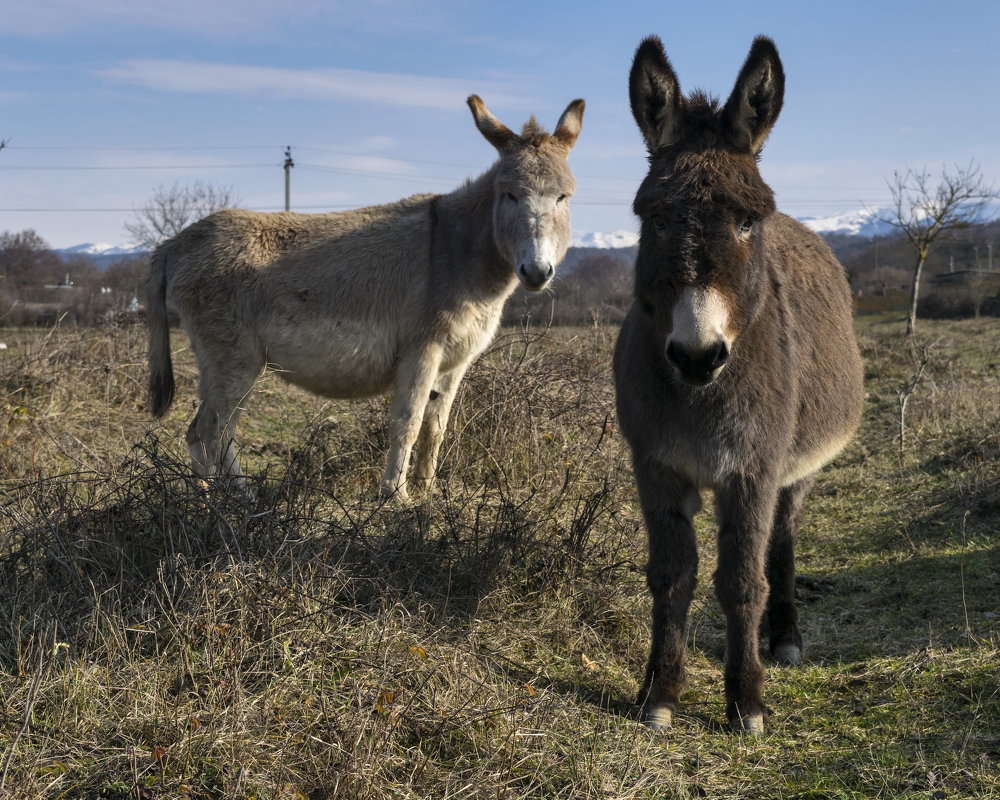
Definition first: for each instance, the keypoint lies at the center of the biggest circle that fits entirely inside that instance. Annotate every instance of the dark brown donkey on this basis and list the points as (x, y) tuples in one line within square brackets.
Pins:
[(736, 370)]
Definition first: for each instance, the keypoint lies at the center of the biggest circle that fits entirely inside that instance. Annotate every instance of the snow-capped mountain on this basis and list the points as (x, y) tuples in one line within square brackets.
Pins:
[(606, 241), (864, 222), (102, 249)]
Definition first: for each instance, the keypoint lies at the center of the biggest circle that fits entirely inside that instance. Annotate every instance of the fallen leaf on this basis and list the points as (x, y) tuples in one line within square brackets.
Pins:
[(383, 701)]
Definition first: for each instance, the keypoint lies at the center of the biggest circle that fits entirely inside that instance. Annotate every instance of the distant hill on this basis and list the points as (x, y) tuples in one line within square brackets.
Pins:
[(864, 223), (102, 255)]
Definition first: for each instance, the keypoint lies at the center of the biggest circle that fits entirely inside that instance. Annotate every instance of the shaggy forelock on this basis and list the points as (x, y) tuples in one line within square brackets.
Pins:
[(533, 133)]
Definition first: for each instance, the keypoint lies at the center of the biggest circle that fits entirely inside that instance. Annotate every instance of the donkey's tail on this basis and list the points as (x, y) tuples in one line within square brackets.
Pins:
[(161, 368)]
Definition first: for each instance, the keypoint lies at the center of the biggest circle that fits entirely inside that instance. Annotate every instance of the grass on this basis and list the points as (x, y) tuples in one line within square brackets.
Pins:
[(163, 642)]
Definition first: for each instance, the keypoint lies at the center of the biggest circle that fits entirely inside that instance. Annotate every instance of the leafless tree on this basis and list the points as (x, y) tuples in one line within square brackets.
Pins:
[(170, 210), (929, 211), (27, 260)]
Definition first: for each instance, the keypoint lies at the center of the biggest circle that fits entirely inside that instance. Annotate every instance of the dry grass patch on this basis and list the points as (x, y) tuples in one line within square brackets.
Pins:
[(161, 640)]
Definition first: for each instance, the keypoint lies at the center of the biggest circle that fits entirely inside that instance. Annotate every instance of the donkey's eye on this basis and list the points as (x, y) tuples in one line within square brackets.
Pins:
[(561, 198), (659, 223), (747, 225), (510, 196)]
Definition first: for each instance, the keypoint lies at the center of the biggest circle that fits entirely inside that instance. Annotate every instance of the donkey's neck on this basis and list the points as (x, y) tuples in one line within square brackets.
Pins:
[(464, 235)]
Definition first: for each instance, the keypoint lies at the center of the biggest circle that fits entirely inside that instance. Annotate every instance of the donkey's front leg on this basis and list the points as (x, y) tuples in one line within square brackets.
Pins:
[(415, 376), (669, 502), (746, 507), (435, 421)]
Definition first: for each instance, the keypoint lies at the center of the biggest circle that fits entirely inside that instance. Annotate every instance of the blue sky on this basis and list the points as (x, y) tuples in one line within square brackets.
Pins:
[(102, 101)]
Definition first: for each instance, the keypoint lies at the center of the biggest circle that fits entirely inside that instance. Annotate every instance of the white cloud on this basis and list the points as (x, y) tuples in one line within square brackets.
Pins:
[(315, 84), (375, 143), (202, 18), (221, 19)]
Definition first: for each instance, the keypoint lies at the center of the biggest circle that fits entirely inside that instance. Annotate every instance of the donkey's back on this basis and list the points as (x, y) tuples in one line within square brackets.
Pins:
[(344, 262), (323, 298)]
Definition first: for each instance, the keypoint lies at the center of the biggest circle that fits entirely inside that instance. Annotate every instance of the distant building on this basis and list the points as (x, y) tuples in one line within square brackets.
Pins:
[(65, 284), (966, 276)]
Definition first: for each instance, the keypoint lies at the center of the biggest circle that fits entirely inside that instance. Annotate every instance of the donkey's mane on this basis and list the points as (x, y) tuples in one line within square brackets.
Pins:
[(702, 99)]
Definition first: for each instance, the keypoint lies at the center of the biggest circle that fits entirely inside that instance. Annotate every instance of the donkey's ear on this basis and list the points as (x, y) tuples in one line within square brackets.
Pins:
[(568, 127), (655, 95), (755, 103), (496, 133)]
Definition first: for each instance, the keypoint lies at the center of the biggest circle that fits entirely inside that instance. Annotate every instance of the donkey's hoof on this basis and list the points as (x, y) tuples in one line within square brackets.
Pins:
[(422, 486), (787, 654), (751, 724), (394, 496), (658, 718)]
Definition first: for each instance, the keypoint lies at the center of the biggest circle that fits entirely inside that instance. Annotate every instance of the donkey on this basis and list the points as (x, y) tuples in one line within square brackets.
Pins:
[(736, 370), (399, 297)]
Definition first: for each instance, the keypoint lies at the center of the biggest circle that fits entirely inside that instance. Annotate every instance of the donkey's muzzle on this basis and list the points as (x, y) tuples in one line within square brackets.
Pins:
[(698, 366), (535, 277)]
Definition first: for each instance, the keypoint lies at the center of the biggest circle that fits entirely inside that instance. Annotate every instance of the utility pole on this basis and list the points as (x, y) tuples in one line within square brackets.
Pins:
[(288, 177)]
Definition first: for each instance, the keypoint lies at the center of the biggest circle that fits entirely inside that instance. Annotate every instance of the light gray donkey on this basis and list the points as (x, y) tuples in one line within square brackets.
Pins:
[(395, 298)]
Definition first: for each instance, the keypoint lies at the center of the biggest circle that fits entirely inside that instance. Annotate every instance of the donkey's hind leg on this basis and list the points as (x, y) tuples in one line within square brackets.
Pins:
[(435, 421), (210, 435), (781, 621)]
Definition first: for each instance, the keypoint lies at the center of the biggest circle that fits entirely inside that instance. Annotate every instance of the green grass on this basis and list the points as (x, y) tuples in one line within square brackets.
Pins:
[(159, 641)]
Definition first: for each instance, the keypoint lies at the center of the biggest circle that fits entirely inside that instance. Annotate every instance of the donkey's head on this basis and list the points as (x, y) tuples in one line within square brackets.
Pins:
[(703, 206), (531, 191)]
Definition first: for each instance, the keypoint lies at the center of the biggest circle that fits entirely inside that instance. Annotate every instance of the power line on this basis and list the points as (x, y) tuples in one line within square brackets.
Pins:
[(14, 167), (130, 210), (141, 148)]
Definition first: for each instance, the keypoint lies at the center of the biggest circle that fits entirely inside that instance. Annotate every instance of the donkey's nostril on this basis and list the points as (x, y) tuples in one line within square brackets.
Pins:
[(720, 355), (535, 276), (698, 366), (674, 353)]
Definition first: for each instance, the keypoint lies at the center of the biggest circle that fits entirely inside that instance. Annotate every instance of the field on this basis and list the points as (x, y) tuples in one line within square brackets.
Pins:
[(162, 641)]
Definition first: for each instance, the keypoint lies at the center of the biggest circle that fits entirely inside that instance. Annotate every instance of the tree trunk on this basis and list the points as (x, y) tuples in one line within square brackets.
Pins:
[(911, 318)]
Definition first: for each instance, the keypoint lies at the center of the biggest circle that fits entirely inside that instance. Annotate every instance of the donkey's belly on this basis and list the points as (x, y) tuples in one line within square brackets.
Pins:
[(701, 460), (334, 358), (707, 459), (801, 465)]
